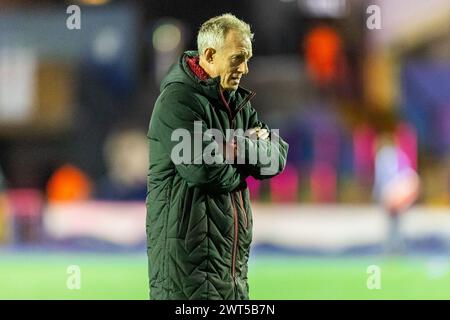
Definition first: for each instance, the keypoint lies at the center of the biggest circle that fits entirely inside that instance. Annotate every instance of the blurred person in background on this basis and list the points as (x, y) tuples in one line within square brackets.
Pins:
[(199, 218), (126, 157), (396, 188)]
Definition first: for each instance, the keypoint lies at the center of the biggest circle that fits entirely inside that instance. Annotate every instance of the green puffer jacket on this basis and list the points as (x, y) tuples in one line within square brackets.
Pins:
[(199, 218)]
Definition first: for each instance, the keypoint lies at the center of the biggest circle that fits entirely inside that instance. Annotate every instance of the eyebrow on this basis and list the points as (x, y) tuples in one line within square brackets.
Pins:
[(244, 54)]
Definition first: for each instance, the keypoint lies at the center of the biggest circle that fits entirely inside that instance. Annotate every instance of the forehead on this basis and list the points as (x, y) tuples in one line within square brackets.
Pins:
[(236, 41)]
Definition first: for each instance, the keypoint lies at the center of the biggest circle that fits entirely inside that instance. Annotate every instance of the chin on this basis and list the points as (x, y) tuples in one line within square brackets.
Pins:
[(232, 87)]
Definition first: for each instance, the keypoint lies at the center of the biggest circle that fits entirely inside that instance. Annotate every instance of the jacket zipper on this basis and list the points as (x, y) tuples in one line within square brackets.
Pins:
[(235, 242), (251, 95), (239, 108), (235, 215)]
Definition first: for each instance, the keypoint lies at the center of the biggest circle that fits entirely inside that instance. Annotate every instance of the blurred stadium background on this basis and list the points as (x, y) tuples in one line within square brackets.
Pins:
[(75, 105)]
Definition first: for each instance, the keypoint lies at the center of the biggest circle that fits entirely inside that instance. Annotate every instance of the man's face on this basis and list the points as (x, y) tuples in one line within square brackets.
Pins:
[(230, 61)]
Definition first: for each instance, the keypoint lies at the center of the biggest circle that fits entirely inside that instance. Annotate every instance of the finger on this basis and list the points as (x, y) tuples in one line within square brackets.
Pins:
[(264, 136), (251, 131), (261, 132)]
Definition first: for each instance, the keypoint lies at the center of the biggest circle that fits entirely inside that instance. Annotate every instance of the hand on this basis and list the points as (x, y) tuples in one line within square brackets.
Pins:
[(230, 150), (258, 133)]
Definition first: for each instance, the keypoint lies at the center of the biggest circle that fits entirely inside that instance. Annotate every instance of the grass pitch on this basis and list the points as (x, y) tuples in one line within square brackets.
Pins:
[(124, 276)]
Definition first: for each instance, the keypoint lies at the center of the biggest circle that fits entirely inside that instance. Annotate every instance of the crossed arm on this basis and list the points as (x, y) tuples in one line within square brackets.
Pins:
[(175, 112)]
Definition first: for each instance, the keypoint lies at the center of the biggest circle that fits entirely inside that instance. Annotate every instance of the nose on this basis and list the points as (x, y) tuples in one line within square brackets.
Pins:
[(243, 68)]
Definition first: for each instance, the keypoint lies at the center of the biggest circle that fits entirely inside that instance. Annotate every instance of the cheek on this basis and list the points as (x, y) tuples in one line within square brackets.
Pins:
[(226, 73), (221, 70), (230, 72)]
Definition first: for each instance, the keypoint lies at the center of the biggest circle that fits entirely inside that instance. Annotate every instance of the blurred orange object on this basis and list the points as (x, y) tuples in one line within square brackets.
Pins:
[(69, 183), (4, 217), (323, 49)]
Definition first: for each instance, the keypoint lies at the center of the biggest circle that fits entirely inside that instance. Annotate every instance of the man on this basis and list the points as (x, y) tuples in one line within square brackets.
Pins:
[(396, 188), (199, 219)]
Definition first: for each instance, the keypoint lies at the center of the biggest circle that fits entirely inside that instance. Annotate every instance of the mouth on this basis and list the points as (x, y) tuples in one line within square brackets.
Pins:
[(235, 79)]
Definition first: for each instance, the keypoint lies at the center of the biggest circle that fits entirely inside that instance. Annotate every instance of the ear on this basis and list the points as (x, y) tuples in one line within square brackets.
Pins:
[(209, 55)]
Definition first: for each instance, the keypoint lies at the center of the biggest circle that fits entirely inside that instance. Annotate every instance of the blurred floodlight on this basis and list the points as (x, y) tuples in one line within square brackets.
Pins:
[(107, 44), (94, 2), (166, 37), (324, 8), (17, 83)]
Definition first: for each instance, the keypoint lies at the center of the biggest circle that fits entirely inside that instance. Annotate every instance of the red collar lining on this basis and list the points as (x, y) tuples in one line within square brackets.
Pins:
[(195, 67)]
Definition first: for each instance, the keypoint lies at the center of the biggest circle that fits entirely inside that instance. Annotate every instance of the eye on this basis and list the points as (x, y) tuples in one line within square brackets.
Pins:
[(234, 59), (237, 59)]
